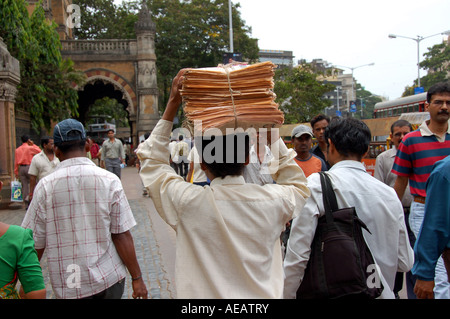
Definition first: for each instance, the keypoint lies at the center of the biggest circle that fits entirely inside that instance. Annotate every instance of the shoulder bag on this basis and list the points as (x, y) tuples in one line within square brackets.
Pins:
[(340, 261)]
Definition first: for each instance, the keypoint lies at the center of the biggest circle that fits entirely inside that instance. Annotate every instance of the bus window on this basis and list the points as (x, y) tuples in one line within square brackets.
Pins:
[(422, 107)]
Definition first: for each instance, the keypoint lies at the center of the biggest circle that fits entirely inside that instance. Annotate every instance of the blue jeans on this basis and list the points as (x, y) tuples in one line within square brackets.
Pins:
[(441, 284)]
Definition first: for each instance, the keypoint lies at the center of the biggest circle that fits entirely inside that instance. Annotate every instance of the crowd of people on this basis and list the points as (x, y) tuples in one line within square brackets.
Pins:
[(244, 228)]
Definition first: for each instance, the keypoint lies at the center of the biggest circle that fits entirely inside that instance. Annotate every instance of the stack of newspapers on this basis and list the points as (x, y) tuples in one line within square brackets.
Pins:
[(231, 96)]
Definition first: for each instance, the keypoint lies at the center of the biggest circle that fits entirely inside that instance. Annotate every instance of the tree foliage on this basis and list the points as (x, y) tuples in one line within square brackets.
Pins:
[(46, 89), (437, 63), (368, 101), (299, 93), (108, 108), (192, 33)]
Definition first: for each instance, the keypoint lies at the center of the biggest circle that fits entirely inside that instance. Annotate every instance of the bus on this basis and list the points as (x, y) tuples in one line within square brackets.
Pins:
[(408, 104), (98, 131)]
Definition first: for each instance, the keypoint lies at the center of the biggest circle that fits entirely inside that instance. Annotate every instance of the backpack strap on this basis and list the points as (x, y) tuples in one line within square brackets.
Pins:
[(329, 197)]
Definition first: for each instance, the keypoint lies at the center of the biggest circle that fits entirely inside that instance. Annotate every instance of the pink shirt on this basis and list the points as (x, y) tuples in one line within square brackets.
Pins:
[(23, 155)]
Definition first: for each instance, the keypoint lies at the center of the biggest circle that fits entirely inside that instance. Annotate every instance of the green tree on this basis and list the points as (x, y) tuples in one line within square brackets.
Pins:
[(437, 63), (103, 19), (192, 33), (368, 101), (299, 93), (107, 108), (45, 90)]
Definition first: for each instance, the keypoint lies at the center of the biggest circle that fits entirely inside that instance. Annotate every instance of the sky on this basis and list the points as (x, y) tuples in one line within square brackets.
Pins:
[(352, 33)]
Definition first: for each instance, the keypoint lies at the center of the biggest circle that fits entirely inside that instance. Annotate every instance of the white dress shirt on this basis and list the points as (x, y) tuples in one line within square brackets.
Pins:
[(257, 172), (377, 205), (228, 233), (72, 215)]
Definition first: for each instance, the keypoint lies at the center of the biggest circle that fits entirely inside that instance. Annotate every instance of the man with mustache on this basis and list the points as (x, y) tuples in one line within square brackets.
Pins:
[(416, 155)]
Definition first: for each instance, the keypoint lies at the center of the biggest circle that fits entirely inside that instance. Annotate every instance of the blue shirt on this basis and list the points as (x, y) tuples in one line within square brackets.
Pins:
[(434, 235)]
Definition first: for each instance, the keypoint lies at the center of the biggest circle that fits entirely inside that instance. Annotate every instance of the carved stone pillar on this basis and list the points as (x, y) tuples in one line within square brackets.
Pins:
[(9, 79), (147, 89)]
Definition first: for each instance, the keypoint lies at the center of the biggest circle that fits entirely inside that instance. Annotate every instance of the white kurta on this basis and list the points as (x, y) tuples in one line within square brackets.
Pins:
[(228, 233)]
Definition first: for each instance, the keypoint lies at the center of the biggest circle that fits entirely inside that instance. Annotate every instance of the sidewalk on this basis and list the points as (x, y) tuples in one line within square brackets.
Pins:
[(154, 241)]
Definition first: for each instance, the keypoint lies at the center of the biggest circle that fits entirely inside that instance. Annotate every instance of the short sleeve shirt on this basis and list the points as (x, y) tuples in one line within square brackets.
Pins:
[(73, 213), (416, 155), (41, 166)]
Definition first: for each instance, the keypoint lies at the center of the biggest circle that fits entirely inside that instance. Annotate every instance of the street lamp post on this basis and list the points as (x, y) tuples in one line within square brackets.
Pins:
[(230, 16), (354, 68), (418, 39)]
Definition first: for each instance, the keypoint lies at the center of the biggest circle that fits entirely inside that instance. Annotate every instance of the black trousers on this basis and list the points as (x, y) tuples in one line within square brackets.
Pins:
[(113, 292)]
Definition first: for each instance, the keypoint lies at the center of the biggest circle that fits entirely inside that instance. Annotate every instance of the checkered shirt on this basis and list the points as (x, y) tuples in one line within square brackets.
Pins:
[(73, 213)]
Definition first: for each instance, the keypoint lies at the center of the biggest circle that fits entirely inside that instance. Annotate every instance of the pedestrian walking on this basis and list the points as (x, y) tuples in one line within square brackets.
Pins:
[(19, 261), (257, 170), (383, 167), (113, 154), (416, 155), (81, 217), (173, 142), (195, 173), (22, 160), (179, 156), (434, 236), (42, 164), (318, 124), (93, 150), (302, 139), (376, 205), (227, 233)]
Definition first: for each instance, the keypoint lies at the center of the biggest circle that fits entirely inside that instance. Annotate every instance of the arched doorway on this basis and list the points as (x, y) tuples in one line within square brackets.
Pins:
[(98, 87)]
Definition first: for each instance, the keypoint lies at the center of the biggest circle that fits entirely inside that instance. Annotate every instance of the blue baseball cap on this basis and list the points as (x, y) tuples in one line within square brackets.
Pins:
[(68, 130)]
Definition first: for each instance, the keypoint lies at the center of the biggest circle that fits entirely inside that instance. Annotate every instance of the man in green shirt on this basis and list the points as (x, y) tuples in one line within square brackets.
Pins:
[(113, 154)]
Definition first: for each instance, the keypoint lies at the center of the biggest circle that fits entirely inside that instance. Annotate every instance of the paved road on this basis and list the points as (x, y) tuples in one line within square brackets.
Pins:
[(154, 241)]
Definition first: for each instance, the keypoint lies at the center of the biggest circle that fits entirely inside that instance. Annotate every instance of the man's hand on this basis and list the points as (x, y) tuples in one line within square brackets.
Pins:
[(139, 289), (125, 248), (424, 289), (175, 97)]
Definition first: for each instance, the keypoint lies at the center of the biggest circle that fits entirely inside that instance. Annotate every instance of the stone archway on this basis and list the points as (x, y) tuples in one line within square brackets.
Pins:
[(101, 83)]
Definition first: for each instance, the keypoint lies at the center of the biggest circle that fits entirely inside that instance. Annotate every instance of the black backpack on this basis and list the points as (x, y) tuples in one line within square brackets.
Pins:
[(340, 262)]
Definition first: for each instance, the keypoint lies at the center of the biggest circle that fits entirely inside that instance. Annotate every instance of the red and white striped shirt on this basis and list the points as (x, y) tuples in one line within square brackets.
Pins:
[(73, 213)]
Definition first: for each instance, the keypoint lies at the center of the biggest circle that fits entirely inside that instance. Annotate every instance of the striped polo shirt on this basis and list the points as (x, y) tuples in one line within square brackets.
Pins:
[(416, 155)]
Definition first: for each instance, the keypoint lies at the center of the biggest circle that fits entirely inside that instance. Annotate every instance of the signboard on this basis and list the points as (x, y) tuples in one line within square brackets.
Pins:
[(418, 90), (369, 164), (228, 57)]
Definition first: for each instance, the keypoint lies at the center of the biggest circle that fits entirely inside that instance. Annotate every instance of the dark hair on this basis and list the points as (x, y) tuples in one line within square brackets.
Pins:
[(349, 136), (319, 118), (442, 87), (401, 123), (110, 130), (73, 145), (66, 147), (45, 140), (24, 138), (224, 154)]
